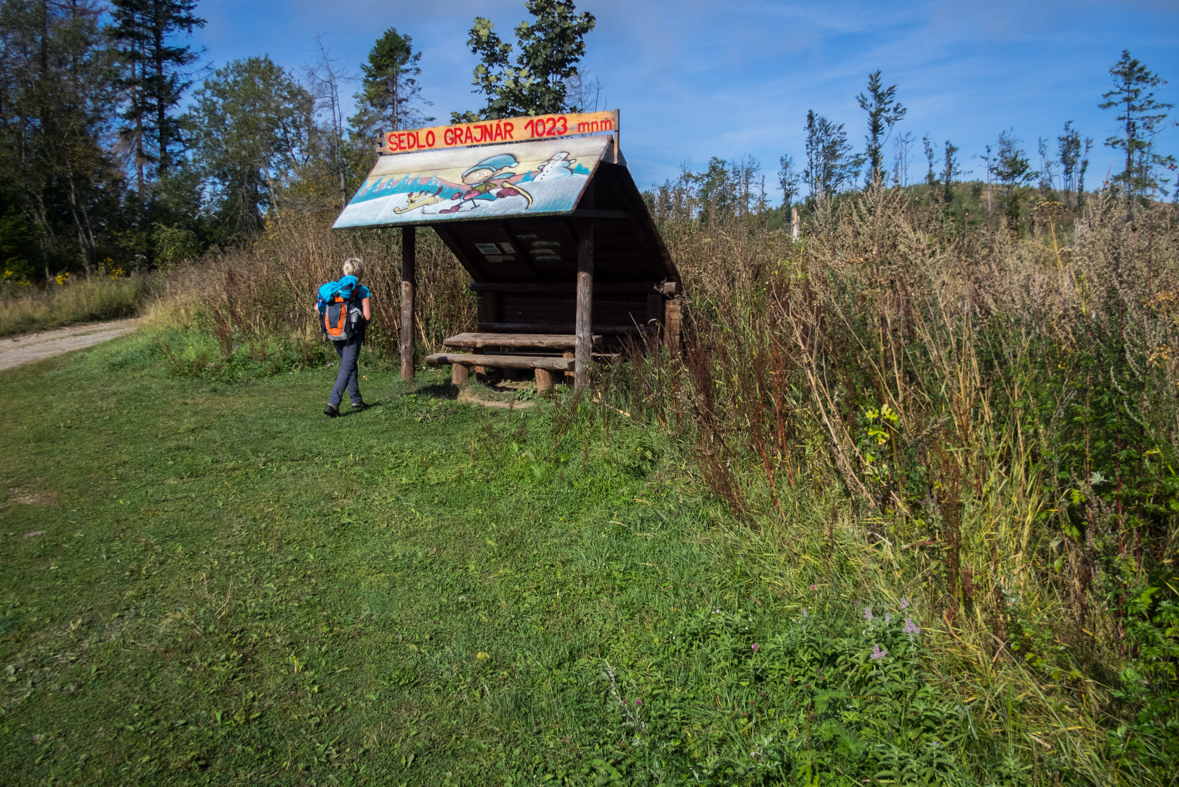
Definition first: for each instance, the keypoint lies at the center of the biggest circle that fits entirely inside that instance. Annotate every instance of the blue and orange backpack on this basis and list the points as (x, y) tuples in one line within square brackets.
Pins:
[(338, 307)]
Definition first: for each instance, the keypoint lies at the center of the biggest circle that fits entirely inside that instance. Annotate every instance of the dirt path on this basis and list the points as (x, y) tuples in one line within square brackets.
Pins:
[(31, 347)]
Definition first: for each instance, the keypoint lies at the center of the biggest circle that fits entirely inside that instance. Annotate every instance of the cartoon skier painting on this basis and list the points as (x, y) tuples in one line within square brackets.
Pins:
[(488, 180), (545, 177), (419, 199)]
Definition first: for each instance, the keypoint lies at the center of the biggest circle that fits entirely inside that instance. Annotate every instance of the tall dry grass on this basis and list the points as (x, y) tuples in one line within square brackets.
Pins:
[(24, 309), (266, 289), (990, 419)]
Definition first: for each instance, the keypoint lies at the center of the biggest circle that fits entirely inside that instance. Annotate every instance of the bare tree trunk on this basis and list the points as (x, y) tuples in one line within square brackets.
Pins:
[(332, 81), (161, 104), (86, 242), (394, 79), (139, 153), (41, 220), (44, 38)]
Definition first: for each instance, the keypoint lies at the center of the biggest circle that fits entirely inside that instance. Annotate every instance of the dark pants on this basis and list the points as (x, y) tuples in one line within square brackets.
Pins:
[(349, 353)]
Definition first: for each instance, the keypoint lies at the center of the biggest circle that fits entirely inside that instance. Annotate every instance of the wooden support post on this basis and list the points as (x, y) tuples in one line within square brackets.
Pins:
[(544, 381), (617, 135), (584, 321), (408, 285), (569, 376), (585, 304), (480, 372), (671, 325), (654, 316), (458, 374)]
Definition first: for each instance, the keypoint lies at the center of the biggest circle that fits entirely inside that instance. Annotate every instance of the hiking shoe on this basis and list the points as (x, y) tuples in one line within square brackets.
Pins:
[(358, 406), (331, 411)]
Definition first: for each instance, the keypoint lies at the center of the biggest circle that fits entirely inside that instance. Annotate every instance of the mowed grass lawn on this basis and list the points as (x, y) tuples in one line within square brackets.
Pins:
[(213, 583), (209, 582)]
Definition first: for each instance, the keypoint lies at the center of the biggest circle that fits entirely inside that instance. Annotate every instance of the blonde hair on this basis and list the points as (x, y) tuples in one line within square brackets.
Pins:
[(353, 266)]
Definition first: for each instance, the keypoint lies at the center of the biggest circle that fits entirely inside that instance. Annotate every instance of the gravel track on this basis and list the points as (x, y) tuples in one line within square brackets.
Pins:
[(18, 350)]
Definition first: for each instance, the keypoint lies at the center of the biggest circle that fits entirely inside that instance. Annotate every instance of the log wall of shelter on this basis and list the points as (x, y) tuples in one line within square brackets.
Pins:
[(617, 311)]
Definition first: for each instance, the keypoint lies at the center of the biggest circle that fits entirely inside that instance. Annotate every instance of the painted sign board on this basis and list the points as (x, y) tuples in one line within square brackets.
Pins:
[(489, 132), (503, 181)]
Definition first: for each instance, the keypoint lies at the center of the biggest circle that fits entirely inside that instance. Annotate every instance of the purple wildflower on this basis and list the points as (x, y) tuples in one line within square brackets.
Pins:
[(904, 603), (638, 702), (878, 652), (867, 613), (814, 587), (756, 648), (804, 613), (911, 627), (887, 618)]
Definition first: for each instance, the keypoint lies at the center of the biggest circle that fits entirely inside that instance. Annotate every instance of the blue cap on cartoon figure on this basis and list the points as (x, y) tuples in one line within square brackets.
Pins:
[(495, 163)]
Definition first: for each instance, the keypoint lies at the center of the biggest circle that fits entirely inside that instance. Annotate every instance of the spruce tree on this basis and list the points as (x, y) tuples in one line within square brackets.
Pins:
[(1141, 117), (390, 93), (830, 162), (56, 99), (884, 112), (930, 176), (154, 76), (788, 179), (951, 171), (1013, 169), (1068, 148)]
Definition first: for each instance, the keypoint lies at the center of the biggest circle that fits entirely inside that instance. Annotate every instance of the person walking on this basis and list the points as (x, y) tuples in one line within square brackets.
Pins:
[(349, 350)]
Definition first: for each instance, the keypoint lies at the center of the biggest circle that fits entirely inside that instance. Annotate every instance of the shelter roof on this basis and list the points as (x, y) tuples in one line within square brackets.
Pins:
[(509, 212)]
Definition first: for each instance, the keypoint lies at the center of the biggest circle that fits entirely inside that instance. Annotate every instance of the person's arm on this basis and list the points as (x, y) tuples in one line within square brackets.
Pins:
[(366, 309)]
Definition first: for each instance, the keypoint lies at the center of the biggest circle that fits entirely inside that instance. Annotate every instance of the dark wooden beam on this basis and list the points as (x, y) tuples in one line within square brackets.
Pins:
[(569, 287), (599, 214), (455, 249), (549, 341), (560, 327), (408, 281)]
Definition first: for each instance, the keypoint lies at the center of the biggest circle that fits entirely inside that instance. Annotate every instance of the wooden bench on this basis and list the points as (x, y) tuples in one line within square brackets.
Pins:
[(543, 365), (545, 341)]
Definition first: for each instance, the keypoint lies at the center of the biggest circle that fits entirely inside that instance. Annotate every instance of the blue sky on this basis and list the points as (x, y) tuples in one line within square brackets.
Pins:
[(700, 78)]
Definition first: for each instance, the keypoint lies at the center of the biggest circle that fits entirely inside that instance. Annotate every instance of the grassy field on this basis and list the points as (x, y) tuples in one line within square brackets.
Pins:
[(205, 582)]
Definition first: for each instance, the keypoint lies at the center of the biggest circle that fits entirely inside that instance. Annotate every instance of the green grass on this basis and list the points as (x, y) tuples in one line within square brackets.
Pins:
[(25, 309), (205, 582)]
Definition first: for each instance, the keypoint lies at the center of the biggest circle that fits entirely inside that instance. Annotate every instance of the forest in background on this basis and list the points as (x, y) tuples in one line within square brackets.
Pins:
[(121, 154)]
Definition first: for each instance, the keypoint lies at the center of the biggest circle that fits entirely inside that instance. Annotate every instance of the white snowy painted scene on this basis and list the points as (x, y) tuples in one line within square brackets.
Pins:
[(531, 178)]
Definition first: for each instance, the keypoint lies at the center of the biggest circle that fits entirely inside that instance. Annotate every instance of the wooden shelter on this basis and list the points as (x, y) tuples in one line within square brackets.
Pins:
[(544, 215)]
